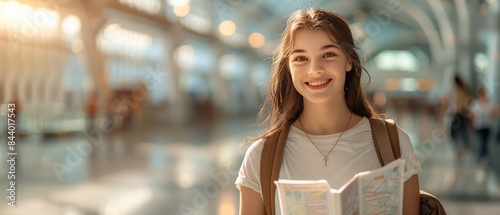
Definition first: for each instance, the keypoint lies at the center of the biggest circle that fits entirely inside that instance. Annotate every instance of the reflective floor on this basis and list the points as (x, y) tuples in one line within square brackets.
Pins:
[(191, 170)]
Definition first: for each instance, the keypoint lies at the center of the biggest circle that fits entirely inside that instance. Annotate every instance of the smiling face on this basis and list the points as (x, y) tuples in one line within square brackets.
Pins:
[(318, 67)]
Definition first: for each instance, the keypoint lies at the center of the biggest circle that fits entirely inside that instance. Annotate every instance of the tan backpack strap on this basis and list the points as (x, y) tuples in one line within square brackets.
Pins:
[(270, 164), (266, 170), (382, 141), (393, 135)]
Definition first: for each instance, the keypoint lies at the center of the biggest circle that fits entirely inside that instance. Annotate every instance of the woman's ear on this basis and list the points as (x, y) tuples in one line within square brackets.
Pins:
[(348, 66)]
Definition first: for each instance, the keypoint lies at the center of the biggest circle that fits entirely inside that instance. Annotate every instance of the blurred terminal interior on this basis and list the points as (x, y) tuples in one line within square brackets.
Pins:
[(178, 70)]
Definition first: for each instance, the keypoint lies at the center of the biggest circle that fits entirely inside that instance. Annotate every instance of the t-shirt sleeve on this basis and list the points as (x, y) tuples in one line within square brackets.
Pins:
[(412, 166), (249, 174)]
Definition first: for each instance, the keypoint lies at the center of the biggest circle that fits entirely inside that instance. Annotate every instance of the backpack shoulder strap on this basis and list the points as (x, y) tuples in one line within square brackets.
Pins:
[(386, 140), (270, 164)]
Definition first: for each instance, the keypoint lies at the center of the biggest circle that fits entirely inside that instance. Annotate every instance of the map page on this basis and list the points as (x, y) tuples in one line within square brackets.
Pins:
[(382, 190), (303, 197)]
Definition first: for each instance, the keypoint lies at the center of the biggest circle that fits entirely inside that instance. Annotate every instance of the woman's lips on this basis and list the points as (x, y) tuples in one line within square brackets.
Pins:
[(318, 84)]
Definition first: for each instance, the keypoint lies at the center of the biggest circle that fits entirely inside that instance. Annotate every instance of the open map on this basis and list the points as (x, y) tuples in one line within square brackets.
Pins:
[(378, 191)]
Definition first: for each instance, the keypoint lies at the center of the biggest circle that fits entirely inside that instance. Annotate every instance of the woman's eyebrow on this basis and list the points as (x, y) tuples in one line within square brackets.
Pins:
[(322, 48), (297, 51), (329, 46)]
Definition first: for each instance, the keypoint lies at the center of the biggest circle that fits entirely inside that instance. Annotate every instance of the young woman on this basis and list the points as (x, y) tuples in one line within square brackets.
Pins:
[(315, 91), (461, 123)]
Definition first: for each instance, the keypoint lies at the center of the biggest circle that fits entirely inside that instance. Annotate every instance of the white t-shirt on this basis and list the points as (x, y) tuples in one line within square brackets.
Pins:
[(353, 153), (483, 117)]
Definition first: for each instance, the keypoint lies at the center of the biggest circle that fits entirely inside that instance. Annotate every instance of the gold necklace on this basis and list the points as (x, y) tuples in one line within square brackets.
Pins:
[(325, 157)]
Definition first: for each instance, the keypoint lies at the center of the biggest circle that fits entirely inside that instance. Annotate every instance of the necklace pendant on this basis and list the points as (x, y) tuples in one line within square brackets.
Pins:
[(326, 160)]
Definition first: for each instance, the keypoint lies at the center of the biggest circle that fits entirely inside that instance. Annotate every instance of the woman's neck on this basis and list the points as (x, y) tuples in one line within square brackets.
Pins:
[(326, 119)]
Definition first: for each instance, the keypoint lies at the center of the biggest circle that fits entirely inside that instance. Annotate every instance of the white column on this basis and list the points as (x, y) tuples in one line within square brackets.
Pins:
[(493, 73), (176, 112)]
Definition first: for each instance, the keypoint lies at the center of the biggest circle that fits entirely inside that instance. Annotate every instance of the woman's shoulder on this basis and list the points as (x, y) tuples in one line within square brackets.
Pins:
[(255, 148), (403, 135)]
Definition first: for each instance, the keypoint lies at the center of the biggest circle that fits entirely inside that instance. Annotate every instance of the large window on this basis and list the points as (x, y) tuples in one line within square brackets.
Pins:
[(396, 60)]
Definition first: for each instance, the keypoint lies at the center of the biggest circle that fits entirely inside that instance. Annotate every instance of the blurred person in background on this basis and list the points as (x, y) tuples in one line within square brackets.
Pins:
[(122, 107), (91, 111), (459, 110), (316, 97), (483, 115)]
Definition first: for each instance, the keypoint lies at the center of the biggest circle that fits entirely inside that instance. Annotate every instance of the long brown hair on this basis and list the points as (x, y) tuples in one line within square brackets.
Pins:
[(284, 104)]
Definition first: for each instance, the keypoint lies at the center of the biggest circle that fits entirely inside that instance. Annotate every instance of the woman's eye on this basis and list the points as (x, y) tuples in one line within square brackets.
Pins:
[(300, 58), (330, 54)]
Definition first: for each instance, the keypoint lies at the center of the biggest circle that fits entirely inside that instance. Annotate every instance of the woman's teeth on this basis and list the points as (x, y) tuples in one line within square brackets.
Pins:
[(317, 83)]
